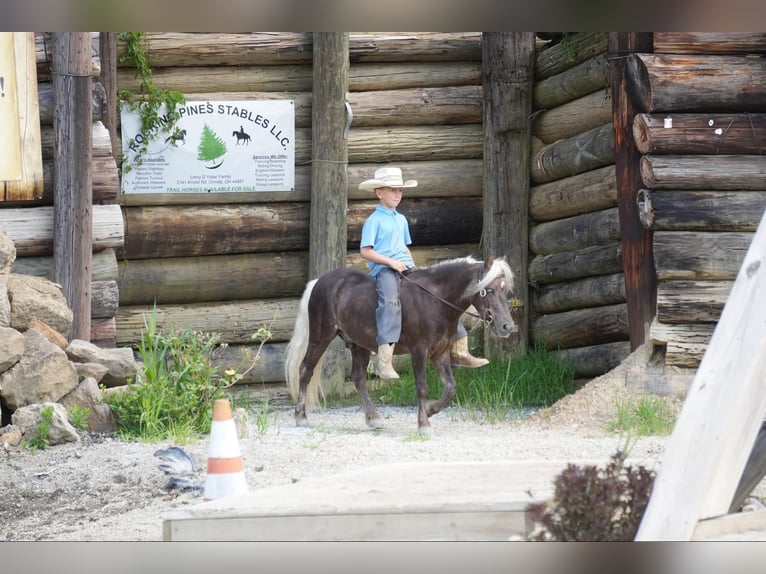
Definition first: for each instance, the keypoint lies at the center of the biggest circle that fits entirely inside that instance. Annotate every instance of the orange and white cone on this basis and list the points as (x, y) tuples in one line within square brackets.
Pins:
[(225, 472)]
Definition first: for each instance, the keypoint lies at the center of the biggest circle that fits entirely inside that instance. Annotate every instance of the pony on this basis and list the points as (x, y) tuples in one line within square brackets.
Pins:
[(342, 303)]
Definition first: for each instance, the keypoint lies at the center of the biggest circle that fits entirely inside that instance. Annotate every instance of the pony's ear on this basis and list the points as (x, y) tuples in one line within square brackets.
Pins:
[(488, 262)]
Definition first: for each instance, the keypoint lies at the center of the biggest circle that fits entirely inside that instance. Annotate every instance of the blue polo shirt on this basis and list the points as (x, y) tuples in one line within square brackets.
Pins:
[(388, 233)]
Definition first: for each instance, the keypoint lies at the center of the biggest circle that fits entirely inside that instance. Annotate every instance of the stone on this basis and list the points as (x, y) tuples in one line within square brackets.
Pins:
[(30, 417), (38, 298), (120, 364), (11, 348)]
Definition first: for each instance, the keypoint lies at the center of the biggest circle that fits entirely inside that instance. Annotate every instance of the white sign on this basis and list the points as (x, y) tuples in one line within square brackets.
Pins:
[(233, 146)]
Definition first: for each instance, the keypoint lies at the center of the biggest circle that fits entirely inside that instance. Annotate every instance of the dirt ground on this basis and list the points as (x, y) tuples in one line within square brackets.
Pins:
[(102, 488)]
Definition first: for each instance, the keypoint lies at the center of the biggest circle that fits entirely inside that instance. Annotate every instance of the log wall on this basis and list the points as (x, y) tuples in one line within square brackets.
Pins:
[(231, 263), (577, 288), (704, 187), (30, 223)]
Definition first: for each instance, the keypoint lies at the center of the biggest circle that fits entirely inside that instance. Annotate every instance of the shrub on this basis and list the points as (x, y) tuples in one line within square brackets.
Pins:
[(592, 504)]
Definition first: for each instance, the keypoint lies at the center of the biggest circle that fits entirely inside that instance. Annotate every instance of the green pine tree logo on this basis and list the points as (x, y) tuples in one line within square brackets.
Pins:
[(211, 147)]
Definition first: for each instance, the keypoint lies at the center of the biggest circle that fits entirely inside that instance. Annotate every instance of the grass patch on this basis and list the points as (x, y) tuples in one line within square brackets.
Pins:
[(644, 416), (537, 379)]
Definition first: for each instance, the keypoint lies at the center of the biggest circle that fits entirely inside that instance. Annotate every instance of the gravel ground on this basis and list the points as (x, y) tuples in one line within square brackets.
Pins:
[(102, 488)]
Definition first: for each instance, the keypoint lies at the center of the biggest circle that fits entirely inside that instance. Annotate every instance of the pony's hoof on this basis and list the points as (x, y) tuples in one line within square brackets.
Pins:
[(301, 421), (425, 431), (375, 423)]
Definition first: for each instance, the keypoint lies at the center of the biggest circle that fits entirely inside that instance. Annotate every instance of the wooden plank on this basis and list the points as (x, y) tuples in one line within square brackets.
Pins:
[(636, 240), (572, 83), (586, 151), (104, 266), (580, 293), (698, 255), (685, 343), (507, 81), (716, 429), (23, 106), (691, 301), (574, 117), (582, 327), (680, 210), (574, 49), (568, 265), (576, 232), (590, 191), (709, 42), (595, 360)]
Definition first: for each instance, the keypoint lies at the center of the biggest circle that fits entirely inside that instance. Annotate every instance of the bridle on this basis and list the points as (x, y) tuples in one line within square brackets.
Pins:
[(482, 293)]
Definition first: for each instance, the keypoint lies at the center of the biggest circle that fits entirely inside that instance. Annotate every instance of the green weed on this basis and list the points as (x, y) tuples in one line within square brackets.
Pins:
[(40, 439), (78, 416), (644, 416)]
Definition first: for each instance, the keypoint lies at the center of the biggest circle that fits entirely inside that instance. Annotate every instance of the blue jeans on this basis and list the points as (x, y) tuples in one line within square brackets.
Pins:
[(388, 313)]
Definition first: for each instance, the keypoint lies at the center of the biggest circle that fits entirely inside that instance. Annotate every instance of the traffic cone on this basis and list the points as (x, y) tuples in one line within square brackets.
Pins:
[(225, 473)]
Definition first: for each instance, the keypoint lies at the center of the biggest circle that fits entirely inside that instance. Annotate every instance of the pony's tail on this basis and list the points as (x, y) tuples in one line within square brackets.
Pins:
[(296, 350)]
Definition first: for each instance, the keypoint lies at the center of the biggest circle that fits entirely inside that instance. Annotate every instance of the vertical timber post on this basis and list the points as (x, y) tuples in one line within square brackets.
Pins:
[(72, 193), (508, 80), (636, 241), (108, 54), (329, 175)]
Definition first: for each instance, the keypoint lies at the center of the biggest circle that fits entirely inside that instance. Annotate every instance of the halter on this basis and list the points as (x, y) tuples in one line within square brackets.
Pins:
[(482, 293)]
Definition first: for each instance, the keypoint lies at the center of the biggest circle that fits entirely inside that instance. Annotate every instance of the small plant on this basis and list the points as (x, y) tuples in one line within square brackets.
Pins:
[(591, 504), (40, 439), (78, 416), (262, 417), (157, 106), (644, 416)]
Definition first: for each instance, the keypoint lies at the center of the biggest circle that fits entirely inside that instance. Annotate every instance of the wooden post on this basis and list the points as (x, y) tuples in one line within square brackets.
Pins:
[(508, 81), (72, 194), (637, 258), (722, 414), (329, 180), (108, 54)]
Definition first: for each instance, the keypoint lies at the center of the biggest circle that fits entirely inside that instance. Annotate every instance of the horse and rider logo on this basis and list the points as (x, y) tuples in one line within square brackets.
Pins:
[(242, 136)]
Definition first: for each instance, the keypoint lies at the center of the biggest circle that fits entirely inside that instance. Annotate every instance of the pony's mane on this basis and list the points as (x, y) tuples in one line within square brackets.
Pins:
[(499, 268)]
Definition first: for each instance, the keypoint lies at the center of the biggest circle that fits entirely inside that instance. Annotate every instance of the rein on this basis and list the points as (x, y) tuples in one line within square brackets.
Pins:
[(482, 293)]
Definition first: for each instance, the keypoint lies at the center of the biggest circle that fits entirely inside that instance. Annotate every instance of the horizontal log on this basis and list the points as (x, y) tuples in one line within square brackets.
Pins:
[(255, 363), (578, 81), (581, 193), (282, 48), (574, 117), (105, 181), (582, 327), (589, 150), (704, 134), (103, 266), (688, 83), (101, 145), (572, 50), (174, 280), (415, 143), (709, 42), (570, 265), (707, 210), (432, 221), (691, 301), (436, 178), (234, 322), (103, 332), (595, 360), (720, 172), (699, 255), (31, 229), (579, 294), (576, 232), (46, 103), (362, 77), (231, 229), (104, 299), (685, 344)]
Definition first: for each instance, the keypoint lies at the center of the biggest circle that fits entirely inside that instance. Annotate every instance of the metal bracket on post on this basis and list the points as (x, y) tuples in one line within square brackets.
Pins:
[(349, 116)]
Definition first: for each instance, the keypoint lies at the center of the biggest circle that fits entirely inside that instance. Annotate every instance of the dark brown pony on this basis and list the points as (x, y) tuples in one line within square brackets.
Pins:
[(342, 302)]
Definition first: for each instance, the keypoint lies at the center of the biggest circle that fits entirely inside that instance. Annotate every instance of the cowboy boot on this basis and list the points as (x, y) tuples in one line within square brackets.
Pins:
[(385, 367), (460, 356)]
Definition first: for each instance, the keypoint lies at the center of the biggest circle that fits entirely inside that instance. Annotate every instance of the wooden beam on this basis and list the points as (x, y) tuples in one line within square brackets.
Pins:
[(508, 80), (722, 414), (72, 222), (638, 263)]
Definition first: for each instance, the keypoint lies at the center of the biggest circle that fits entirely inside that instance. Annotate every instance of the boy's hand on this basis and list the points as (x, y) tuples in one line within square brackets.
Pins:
[(398, 266)]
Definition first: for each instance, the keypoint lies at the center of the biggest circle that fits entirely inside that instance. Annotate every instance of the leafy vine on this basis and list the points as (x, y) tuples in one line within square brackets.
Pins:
[(157, 106)]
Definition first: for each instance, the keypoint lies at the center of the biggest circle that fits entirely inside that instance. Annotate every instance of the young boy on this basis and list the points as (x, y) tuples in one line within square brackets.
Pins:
[(385, 246)]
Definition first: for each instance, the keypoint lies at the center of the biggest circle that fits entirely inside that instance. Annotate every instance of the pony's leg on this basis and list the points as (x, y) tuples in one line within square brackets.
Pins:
[(444, 371), (421, 387), (306, 372), (359, 359)]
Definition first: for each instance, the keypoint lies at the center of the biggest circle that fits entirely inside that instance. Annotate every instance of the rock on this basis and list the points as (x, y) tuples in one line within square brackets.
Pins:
[(5, 302), (49, 333), (44, 373), (7, 252), (94, 370), (30, 417), (89, 396), (38, 298), (120, 364), (10, 435), (11, 348)]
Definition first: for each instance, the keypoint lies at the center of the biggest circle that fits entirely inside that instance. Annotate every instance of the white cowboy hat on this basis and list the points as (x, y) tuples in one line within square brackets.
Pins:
[(387, 177)]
